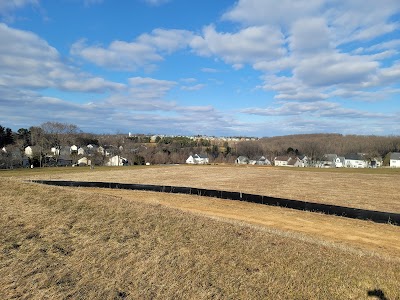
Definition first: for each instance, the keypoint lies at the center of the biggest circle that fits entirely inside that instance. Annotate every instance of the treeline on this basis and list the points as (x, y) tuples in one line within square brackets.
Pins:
[(140, 149)]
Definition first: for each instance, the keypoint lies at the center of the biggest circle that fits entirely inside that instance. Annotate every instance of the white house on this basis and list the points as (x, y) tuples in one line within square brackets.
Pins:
[(303, 161), (289, 161), (197, 159), (55, 151), (339, 162), (73, 148), (329, 161), (335, 161), (281, 161), (295, 162), (242, 160), (262, 161), (355, 161), (81, 151), (84, 161), (116, 161), (395, 160), (103, 151)]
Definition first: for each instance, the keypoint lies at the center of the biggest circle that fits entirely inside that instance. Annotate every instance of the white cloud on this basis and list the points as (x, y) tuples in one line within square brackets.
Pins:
[(309, 36), (367, 96), (27, 61), (166, 40), (362, 19), (249, 45), (209, 70), (351, 19), (307, 54), (278, 13), (118, 55), (188, 80), (333, 69), (318, 109), (193, 87), (156, 2), (130, 56), (392, 44), (149, 88), (7, 6)]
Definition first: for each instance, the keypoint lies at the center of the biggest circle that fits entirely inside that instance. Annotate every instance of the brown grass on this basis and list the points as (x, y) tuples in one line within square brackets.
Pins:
[(380, 239), (60, 243), (374, 189)]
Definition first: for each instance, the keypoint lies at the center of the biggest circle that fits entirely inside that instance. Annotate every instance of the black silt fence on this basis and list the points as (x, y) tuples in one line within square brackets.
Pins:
[(348, 212)]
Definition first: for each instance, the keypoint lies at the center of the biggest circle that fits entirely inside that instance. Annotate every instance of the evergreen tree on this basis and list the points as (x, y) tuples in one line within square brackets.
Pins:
[(6, 136), (2, 136), (9, 138)]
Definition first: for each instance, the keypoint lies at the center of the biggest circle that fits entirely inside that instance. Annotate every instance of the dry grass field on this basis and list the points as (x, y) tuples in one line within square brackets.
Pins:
[(77, 243), (373, 189)]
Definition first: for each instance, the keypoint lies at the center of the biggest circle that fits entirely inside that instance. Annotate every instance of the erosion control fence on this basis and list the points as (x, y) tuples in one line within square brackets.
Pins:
[(348, 212)]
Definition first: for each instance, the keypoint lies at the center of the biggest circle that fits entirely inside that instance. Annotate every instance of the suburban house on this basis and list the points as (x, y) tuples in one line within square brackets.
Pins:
[(116, 161), (84, 161), (288, 161), (355, 161), (103, 151), (242, 160), (332, 161), (55, 151), (294, 162), (73, 149), (81, 151), (197, 159), (281, 161), (376, 162), (303, 160), (261, 161), (395, 160)]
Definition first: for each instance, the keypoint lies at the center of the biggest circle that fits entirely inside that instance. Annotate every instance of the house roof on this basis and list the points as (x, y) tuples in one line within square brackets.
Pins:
[(354, 156), (330, 157), (201, 155), (292, 161), (282, 158), (395, 156)]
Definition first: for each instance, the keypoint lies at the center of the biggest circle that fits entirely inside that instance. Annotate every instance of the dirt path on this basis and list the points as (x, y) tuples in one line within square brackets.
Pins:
[(349, 234)]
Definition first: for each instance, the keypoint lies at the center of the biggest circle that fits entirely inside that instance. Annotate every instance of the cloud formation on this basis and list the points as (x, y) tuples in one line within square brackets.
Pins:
[(300, 63), (29, 62), (145, 50)]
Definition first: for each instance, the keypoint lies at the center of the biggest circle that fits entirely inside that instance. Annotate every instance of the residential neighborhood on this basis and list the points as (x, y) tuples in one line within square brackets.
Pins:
[(57, 145), (89, 155)]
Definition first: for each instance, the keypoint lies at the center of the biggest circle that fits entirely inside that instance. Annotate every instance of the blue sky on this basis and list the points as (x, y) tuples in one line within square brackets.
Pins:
[(224, 68)]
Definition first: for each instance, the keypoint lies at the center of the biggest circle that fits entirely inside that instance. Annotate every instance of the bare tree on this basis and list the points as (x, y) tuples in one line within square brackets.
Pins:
[(59, 134)]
